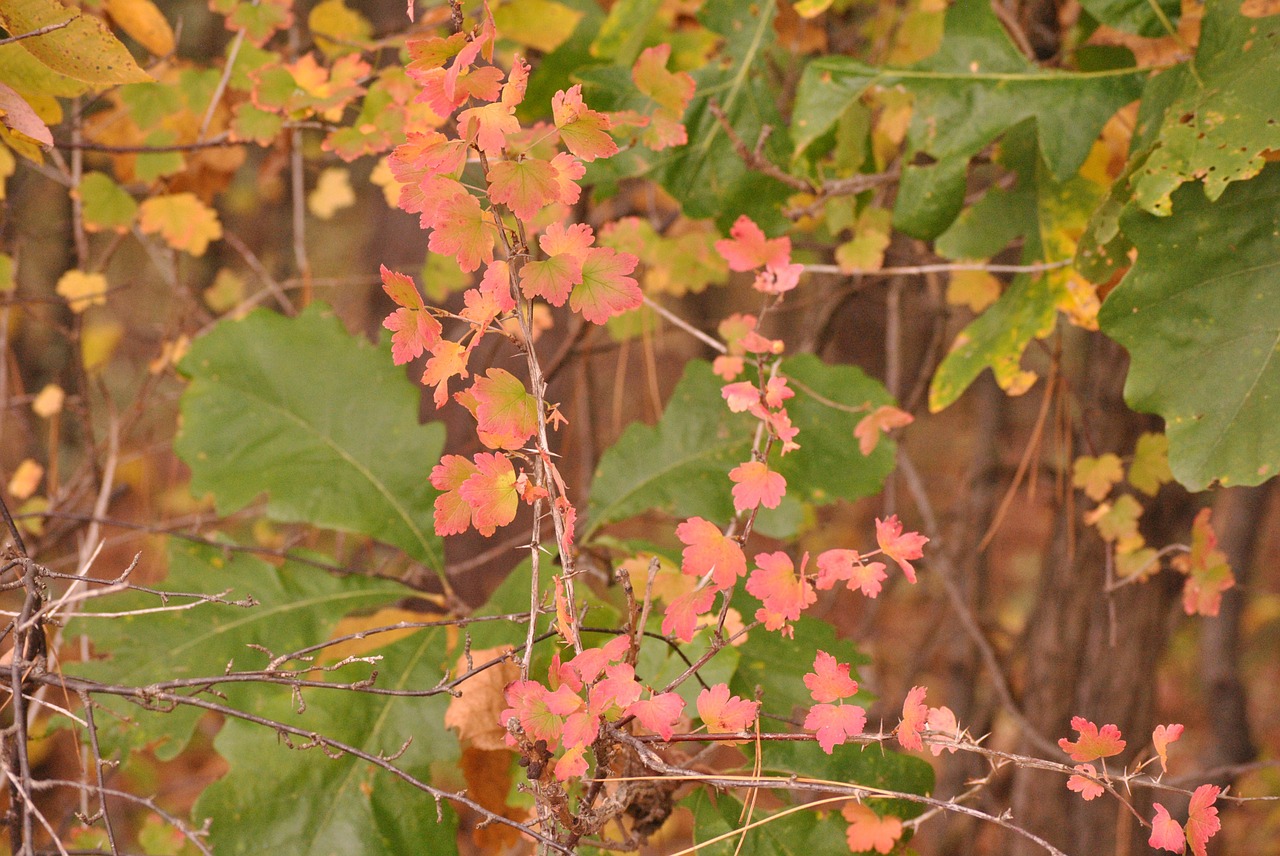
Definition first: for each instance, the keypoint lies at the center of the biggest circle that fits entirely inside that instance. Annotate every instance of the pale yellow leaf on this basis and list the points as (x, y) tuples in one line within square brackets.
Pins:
[(332, 193), (25, 479), (82, 290), (144, 22), (48, 401), (181, 220)]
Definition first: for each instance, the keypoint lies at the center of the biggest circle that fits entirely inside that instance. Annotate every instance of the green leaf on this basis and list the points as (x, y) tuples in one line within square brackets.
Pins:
[(622, 34), (1199, 316), (319, 420), (856, 764), (1046, 213), (707, 175), (800, 833), (107, 205), (1150, 18), (974, 89), (1222, 117), (285, 801), (543, 25), (297, 606), (680, 466), (84, 49)]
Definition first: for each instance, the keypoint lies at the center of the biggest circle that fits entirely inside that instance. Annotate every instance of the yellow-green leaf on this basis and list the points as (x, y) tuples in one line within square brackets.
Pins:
[(83, 50), (107, 205), (1096, 476), (1150, 467)]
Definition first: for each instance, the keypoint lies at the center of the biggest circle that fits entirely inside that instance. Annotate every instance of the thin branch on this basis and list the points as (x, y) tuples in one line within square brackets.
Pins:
[(47, 28), (944, 267), (710, 341)]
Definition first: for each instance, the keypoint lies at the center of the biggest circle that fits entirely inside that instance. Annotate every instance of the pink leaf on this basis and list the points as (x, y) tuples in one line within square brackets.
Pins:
[(870, 831), (722, 712), (755, 484), (606, 290), (899, 547), (847, 565), (914, 715), (658, 713), (747, 248), (708, 551), (832, 724), (1166, 834), (829, 680), (882, 419), (784, 593), (1085, 787), (1161, 738), (942, 720), (491, 493), (681, 617)]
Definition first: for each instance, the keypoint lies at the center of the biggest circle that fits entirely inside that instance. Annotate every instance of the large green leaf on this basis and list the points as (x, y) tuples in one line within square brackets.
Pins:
[(857, 764), (297, 606), (1199, 315), (319, 420), (680, 466), (975, 88), (1151, 18), (1222, 117), (285, 801), (1045, 213)]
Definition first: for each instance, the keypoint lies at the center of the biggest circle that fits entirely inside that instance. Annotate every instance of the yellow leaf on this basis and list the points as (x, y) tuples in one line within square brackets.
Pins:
[(25, 480), (98, 342), (382, 177), (48, 401), (332, 193), (82, 290), (7, 167), (476, 713), (181, 220), (1079, 302), (976, 289), (226, 292), (543, 25), (143, 21), (812, 8)]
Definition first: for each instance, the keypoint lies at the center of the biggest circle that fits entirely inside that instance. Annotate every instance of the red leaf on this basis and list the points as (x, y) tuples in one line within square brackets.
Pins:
[(606, 290), (1209, 573), (582, 130), (491, 493), (1166, 834), (747, 248), (525, 186), (1085, 787), (755, 484), (462, 230), (722, 712), (452, 513), (658, 713), (551, 279), (1092, 743), (870, 831), (1202, 818), (836, 565), (506, 413), (832, 724), (914, 716), (829, 680), (899, 547)]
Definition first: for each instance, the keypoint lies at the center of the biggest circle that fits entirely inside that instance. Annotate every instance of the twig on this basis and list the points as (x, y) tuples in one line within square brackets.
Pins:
[(756, 160), (710, 341), (47, 28), (1039, 267)]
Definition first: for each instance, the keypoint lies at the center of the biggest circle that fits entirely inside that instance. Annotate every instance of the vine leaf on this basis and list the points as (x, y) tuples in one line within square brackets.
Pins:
[(973, 90), (1198, 316), (296, 606), (319, 420)]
